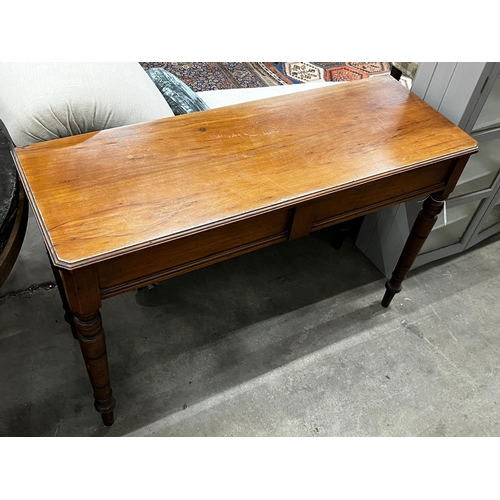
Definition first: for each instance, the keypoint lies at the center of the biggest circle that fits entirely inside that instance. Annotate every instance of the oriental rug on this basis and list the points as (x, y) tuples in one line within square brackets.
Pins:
[(229, 75)]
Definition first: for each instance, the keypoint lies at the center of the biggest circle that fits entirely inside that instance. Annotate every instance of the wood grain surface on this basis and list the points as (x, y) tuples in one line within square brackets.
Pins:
[(108, 193)]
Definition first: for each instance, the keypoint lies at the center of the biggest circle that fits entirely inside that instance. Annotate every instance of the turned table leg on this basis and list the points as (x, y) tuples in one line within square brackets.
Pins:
[(90, 334), (81, 294), (423, 225)]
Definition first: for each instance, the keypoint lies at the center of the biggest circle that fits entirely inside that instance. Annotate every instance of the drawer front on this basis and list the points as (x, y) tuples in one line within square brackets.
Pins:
[(379, 194), (192, 252)]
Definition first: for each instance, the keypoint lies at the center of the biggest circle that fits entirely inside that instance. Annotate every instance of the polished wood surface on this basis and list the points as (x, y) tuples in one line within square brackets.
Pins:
[(126, 207), (124, 189)]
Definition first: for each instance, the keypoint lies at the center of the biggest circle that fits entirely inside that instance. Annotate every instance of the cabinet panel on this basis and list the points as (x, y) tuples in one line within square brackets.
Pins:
[(481, 169), (489, 118), (458, 219), (492, 219)]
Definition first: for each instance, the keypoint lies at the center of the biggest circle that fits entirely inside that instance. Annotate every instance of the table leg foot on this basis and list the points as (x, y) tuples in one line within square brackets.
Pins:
[(92, 342), (108, 418), (106, 411), (423, 225), (390, 292)]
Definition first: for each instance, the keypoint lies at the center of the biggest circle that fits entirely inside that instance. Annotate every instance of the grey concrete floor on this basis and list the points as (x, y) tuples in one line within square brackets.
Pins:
[(290, 340)]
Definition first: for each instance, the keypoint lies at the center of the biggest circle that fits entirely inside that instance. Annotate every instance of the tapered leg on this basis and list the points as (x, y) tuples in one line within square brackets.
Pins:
[(423, 225), (91, 337)]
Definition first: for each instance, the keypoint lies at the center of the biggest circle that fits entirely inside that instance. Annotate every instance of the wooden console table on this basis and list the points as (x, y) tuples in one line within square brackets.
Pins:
[(130, 206)]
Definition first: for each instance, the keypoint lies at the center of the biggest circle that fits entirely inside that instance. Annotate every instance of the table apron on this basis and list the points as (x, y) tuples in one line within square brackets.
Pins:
[(156, 263), (365, 199)]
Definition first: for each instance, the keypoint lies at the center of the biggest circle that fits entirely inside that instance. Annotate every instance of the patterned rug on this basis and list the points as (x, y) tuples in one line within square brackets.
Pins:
[(286, 73), (230, 75)]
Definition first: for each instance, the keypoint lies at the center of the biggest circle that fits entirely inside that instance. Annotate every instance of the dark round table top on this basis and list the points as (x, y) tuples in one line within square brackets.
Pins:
[(9, 193)]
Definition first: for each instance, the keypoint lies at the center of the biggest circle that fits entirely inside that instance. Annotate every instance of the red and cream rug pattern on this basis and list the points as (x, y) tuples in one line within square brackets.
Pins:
[(301, 72), (229, 75)]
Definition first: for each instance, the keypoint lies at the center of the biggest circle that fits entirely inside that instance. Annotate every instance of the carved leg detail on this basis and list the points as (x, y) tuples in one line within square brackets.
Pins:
[(91, 337), (423, 225)]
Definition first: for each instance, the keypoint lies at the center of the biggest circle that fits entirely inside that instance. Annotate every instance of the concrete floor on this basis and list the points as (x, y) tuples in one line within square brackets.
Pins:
[(288, 341)]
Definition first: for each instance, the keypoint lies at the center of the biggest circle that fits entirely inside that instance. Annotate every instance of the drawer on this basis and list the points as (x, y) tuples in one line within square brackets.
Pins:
[(192, 252), (376, 195)]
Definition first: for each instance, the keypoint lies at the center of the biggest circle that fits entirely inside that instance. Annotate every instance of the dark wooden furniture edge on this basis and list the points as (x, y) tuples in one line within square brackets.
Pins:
[(16, 219)]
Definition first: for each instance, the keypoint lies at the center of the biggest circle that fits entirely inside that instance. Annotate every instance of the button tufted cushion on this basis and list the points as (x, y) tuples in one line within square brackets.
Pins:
[(43, 101)]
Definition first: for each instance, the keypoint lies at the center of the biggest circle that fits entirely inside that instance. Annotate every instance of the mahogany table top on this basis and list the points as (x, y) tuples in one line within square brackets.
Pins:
[(103, 194)]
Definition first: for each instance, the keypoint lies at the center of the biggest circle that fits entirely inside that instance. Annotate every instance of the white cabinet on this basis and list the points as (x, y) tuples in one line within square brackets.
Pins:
[(468, 94)]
